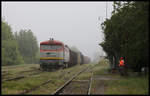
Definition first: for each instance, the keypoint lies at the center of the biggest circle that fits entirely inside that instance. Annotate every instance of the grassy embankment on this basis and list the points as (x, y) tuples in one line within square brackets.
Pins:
[(125, 85)]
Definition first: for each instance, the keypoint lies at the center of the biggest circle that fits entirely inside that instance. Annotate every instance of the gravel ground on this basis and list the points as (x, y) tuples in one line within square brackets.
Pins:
[(76, 87)]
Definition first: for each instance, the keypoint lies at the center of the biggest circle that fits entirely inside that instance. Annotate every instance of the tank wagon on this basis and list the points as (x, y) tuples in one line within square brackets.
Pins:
[(55, 54)]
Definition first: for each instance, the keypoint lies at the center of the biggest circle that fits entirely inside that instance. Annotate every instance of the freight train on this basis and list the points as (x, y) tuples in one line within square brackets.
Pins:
[(55, 54)]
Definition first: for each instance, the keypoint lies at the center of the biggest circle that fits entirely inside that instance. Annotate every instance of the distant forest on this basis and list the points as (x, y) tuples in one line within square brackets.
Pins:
[(18, 47)]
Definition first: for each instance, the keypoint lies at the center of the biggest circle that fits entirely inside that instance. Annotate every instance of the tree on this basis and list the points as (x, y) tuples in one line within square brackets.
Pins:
[(126, 34), (28, 46), (10, 52)]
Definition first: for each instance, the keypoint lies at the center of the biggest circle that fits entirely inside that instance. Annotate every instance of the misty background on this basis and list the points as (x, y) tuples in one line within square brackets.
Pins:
[(74, 23)]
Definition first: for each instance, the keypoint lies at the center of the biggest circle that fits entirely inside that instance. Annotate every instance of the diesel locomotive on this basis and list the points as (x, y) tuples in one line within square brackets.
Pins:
[(55, 54)]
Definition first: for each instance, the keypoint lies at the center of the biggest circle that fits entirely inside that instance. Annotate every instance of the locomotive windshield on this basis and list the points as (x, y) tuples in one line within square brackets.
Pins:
[(51, 47)]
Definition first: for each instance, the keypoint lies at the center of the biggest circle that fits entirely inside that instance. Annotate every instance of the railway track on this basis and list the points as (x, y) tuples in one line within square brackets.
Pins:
[(44, 83), (48, 81), (22, 76), (60, 89), (5, 73), (28, 71), (90, 84), (71, 73)]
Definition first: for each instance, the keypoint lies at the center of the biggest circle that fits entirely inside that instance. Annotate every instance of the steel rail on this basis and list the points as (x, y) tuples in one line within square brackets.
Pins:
[(63, 86), (58, 90), (90, 84), (36, 87), (27, 91), (19, 77)]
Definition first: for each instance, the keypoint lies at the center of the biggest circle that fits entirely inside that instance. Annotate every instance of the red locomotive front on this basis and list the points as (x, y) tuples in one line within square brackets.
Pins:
[(51, 54)]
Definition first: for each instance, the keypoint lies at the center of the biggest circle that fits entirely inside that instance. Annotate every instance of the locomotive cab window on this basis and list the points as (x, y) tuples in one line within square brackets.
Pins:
[(50, 47)]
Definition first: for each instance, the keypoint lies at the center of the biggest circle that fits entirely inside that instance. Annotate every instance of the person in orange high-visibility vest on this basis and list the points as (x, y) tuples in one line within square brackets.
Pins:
[(121, 62), (121, 65)]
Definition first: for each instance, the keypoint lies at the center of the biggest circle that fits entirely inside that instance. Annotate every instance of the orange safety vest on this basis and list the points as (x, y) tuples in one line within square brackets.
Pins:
[(121, 63)]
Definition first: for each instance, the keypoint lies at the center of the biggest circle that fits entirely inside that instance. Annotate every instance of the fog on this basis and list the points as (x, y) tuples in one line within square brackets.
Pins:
[(74, 23)]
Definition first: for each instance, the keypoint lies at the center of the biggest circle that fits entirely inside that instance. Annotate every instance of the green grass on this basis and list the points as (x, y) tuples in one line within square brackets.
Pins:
[(48, 88), (125, 85), (137, 85), (83, 76), (16, 69), (16, 87), (23, 84), (130, 85)]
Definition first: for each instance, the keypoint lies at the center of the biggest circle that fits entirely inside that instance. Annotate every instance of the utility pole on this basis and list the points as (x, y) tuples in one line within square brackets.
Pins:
[(106, 10)]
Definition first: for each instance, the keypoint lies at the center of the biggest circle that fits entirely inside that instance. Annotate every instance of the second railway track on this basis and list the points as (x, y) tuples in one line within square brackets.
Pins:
[(61, 76), (86, 83), (22, 76), (65, 75)]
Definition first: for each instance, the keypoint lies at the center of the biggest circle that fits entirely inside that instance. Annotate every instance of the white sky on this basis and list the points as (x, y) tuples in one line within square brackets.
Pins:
[(74, 23)]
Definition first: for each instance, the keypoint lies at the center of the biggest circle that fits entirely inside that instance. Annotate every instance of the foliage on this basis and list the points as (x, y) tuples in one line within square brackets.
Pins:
[(126, 34), (28, 46), (19, 47), (10, 53)]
